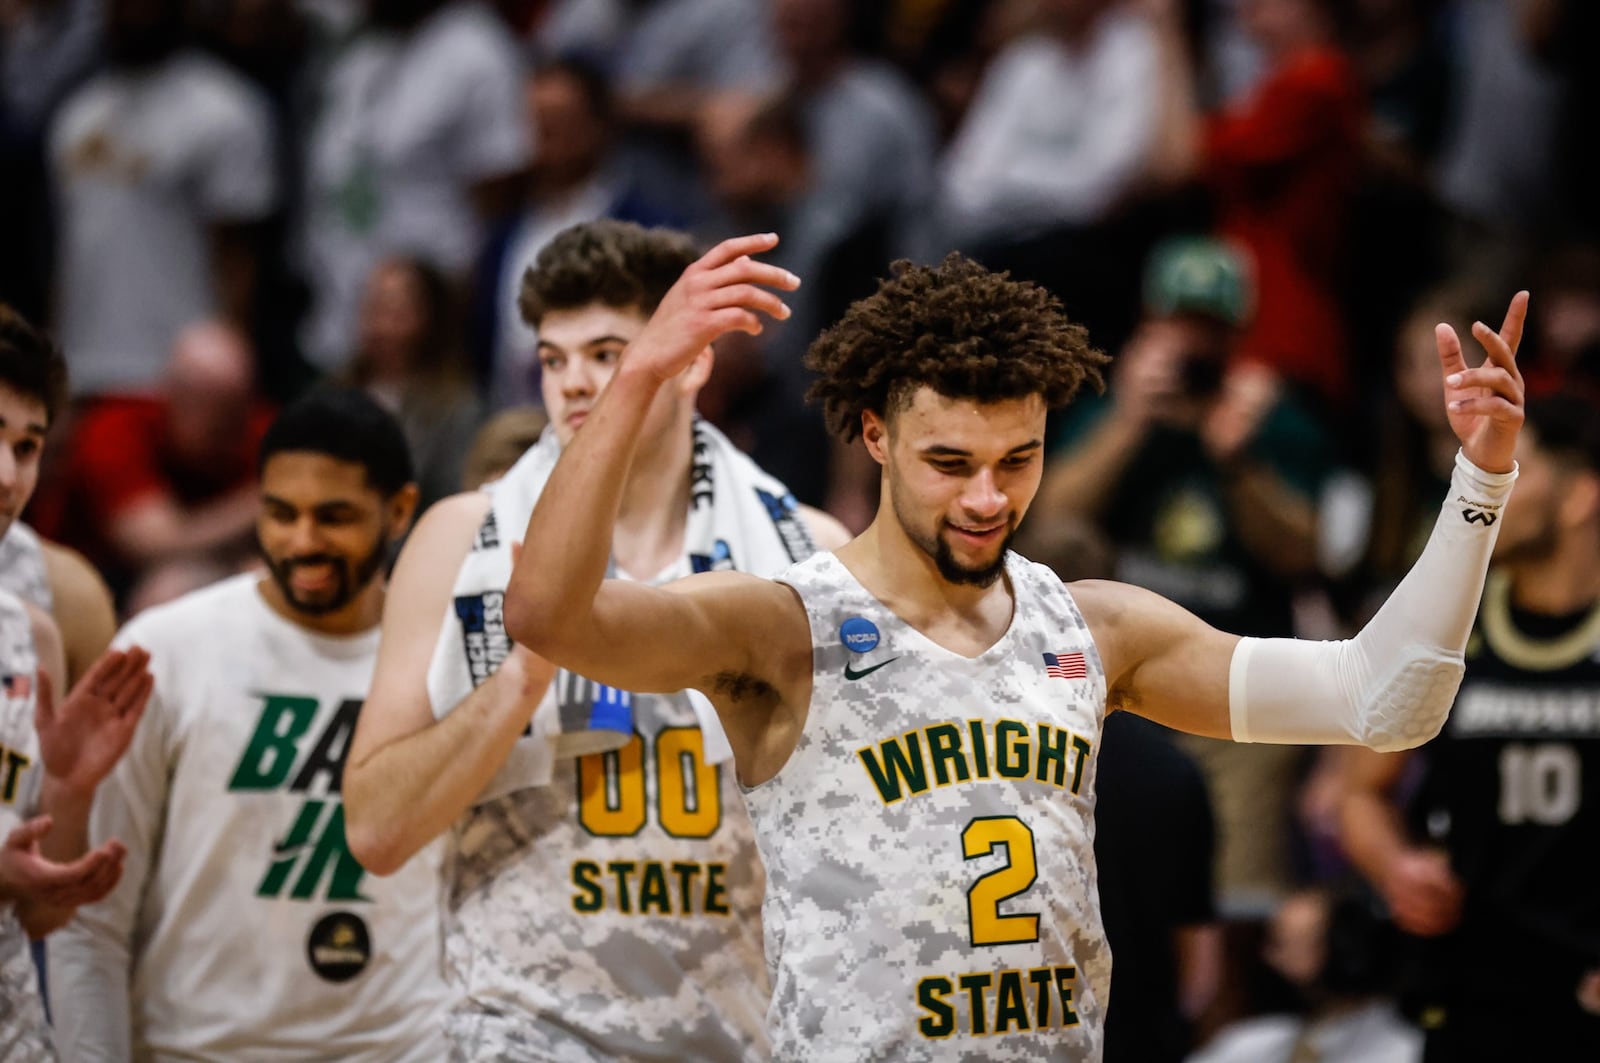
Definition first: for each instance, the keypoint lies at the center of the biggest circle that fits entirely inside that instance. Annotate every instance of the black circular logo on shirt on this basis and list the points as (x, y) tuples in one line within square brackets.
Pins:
[(339, 947)]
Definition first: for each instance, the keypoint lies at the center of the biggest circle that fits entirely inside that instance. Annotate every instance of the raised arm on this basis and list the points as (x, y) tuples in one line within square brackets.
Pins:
[(726, 633), (1391, 686), (409, 775)]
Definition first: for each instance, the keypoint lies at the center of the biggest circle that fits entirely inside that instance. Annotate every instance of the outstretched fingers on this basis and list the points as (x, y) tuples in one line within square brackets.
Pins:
[(111, 670), (1516, 317), (738, 292), (1449, 345), (736, 247), (747, 270), (749, 297), (131, 699), (125, 682), (1499, 352)]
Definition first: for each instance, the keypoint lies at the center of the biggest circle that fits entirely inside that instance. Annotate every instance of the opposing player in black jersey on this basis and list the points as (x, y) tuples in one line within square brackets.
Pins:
[(1503, 878)]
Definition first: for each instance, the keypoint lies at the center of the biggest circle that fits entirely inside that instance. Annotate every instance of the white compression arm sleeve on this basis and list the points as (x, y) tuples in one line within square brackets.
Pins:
[(1391, 686)]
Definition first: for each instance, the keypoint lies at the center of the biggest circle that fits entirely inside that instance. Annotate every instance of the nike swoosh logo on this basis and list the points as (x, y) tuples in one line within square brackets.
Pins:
[(851, 673)]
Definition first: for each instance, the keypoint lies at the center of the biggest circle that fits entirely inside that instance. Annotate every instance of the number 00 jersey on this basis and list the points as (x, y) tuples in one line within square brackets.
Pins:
[(243, 928), (613, 913), (929, 845)]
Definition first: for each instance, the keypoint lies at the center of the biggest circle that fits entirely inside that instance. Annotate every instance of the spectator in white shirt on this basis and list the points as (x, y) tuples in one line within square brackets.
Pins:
[(161, 165), (1061, 129), (422, 133)]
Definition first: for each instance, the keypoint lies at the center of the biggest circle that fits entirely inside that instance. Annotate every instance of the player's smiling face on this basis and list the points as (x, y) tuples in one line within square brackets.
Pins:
[(961, 475), (323, 530)]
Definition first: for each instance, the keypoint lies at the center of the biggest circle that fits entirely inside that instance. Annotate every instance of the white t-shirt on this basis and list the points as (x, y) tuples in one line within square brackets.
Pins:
[(24, 1037), (242, 927), (1055, 134), (142, 163), (407, 125)]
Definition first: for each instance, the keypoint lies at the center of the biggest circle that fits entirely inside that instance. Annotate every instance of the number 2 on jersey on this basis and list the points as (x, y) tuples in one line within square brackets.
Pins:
[(980, 838)]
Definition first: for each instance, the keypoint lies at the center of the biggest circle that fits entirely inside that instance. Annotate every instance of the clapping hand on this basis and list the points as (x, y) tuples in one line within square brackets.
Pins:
[(81, 739), (29, 877)]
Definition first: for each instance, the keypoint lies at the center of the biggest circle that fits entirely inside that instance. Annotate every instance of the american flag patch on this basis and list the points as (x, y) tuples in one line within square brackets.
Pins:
[(1066, 666)]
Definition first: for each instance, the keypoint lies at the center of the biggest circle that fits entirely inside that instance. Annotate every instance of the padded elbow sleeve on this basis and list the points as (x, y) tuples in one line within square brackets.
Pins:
[(1390, 687), (1331, 693)]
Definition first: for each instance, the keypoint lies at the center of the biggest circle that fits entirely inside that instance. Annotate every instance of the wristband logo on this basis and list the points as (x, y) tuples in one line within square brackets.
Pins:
[(1478, 516)]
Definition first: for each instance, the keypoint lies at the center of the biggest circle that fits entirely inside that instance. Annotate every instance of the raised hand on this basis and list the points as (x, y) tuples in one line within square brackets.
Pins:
[(81, 739), (724, 291), (27, 876), (1485, 404)]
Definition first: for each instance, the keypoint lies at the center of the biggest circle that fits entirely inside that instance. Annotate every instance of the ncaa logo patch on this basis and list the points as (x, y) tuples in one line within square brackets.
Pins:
[(859, 635)]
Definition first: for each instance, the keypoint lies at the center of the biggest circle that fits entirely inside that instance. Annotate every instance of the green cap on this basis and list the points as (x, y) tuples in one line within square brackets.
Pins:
[(1198, 275)]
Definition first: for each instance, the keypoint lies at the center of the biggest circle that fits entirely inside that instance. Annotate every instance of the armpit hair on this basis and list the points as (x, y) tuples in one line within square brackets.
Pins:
[(742, 686)]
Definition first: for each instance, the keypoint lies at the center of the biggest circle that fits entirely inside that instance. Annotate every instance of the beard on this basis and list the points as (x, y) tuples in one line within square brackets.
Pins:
[(944, 558), (962, 575), (349, 579)]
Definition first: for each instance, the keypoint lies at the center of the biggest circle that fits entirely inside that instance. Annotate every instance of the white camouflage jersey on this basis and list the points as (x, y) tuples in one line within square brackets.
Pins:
[(929, 845), (23, 571), (614, 913), (24, 1037), (243, 928)]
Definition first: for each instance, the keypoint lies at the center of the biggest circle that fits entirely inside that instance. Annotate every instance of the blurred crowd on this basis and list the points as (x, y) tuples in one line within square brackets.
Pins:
[(1259, 207)]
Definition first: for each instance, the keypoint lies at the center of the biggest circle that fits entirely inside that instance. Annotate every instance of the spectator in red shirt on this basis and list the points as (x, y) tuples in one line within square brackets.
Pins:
[(159, 491), (1282, 166)]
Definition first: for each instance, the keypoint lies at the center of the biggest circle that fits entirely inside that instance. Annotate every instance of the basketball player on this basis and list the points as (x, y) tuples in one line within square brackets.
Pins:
[(1505, 884), (605, 907), (243, 928), (915, 716), (52, 756), (57, 580)]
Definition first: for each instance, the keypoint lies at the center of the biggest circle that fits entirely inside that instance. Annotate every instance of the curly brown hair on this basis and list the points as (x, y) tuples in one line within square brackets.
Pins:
[(960, 329), (615, 263), (30, 364)]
